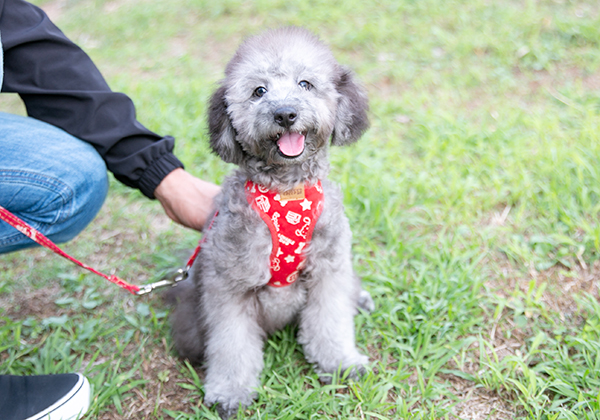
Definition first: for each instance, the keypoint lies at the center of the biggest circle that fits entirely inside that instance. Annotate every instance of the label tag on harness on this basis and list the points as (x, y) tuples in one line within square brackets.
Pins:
[(296, 193)]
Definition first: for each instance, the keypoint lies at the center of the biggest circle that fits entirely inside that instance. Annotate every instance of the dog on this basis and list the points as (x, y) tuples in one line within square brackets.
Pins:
[(283, 101)]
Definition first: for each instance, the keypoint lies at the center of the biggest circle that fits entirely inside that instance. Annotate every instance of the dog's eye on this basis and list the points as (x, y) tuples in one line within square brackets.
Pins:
[(305, 85), (260, 91)]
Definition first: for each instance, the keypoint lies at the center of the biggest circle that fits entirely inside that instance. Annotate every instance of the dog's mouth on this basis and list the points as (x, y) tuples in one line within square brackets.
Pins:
[(290, 144)]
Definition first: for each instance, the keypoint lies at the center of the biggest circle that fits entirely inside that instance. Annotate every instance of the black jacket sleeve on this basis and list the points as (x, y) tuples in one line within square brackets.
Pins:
[(59, 84)]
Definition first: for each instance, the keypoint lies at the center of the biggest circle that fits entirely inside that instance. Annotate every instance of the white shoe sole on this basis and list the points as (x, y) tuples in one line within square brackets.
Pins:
[(70, 407)]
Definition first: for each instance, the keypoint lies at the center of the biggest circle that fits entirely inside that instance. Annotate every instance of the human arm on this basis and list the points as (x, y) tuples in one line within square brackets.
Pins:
[(60, 85)]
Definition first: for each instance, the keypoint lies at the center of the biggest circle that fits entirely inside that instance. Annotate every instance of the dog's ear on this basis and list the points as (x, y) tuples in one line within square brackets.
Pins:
[(351, 119), (222, 133)]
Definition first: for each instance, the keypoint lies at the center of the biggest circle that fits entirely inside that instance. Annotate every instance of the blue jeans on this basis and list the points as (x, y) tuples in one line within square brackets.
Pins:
[(52, 180)]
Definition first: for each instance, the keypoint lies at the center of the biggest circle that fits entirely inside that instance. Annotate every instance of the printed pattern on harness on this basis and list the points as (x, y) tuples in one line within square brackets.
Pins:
[(291, 217)]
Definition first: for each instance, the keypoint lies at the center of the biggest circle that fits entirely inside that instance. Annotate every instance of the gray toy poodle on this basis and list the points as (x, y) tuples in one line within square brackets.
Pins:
[(278, 250)]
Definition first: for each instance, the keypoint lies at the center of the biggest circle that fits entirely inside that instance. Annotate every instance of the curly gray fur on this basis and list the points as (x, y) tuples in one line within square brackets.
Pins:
[(223, 317)]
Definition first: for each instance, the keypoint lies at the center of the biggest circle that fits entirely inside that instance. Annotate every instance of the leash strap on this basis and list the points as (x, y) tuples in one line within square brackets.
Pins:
[(38, 237), (42, 240)]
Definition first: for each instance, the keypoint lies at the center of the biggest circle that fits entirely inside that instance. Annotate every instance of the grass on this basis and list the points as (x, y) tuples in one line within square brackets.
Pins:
[(474, 200)]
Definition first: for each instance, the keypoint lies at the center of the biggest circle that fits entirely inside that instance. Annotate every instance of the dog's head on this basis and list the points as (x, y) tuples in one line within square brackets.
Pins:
[(283, 97)]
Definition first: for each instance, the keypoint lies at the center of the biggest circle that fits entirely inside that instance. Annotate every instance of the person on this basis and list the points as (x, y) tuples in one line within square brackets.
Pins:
[(53, 169)]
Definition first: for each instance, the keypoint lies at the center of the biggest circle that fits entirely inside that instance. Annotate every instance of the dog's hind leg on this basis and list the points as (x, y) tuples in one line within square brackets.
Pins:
[(185, 321), (234, 357)]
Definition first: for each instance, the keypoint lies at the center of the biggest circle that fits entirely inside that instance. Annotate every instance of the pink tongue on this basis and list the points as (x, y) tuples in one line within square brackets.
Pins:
[(291, 144)]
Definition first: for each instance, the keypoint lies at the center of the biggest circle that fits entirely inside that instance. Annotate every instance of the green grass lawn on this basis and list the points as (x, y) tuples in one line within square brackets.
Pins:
[(474, 201)]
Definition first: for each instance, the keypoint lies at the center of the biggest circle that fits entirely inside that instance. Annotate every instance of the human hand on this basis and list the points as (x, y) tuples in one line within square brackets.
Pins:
[(186, 199)]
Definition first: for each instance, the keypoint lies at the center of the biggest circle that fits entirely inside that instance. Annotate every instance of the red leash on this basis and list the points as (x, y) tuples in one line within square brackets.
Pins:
[(38, 237)]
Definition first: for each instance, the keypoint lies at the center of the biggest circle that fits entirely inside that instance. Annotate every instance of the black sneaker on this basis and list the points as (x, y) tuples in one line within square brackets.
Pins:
[(46, 397)]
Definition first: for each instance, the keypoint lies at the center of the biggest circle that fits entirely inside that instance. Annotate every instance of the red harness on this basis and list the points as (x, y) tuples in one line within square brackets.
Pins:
[(291, 217)]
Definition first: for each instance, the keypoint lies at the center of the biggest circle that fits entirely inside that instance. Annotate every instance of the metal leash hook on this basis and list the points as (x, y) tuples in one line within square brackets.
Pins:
[(179, 276), (182, 273)]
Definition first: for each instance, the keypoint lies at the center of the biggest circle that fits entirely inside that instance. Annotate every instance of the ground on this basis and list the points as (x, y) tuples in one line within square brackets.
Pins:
[(473, 199)]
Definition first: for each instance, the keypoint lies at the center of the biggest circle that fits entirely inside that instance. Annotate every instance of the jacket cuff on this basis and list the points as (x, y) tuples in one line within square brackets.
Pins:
[(156, 172)]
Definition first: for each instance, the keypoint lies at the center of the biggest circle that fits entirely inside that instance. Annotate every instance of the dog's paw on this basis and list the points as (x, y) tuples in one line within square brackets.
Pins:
[(365, 301), (226, 412), (354, 373), (228, 405), (353, 369)]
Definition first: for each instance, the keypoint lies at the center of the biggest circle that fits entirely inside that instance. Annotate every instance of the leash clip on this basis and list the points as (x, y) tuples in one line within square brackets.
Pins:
[(179, 276)]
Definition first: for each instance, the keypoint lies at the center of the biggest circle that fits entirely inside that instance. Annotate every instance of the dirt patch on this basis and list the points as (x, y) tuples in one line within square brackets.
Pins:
[(561, 285), (163, 390), (543, 81), (478, 403), (25, 302)]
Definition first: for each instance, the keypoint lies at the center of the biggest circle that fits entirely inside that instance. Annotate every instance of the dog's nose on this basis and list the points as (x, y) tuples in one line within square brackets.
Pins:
[(285, 116)]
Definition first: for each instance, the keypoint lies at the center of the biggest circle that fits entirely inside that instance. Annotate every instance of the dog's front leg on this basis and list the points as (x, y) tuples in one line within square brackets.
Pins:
[(234, 357), (327, 324)]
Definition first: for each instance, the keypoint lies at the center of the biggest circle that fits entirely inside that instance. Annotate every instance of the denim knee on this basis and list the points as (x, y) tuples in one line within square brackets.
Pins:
[(88, 194), (53, 181)]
